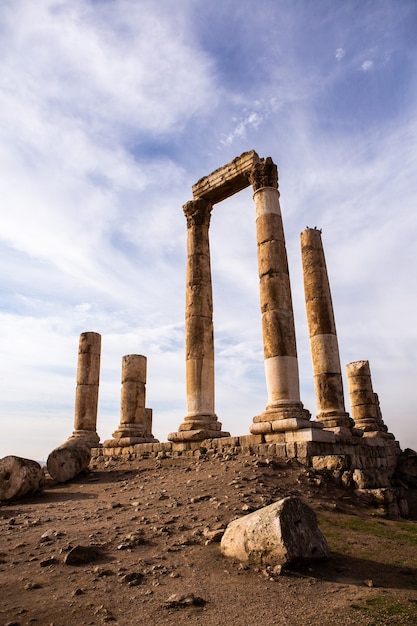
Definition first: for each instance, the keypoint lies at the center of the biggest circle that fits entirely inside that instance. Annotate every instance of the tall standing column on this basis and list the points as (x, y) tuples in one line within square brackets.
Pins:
[(201, 421), (284, 410), (323, 339), (86, 394), (364, 402), (133, 426)]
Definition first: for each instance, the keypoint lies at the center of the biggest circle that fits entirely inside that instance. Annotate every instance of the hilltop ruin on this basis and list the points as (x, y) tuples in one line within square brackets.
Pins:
[(356, 449)]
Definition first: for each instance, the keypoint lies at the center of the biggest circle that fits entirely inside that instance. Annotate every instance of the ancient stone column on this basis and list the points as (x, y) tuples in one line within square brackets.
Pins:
[(134, 419), (284, 410), (323, 339), (364, 402), (86, 394), (201, 421), (73, 456)]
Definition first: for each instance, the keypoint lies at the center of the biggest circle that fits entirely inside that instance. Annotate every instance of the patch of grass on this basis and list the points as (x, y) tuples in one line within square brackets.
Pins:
[(403, 532), (380, 610)]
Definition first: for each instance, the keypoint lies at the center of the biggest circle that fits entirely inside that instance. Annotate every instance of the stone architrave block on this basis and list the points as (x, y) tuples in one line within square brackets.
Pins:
[(278, 534)]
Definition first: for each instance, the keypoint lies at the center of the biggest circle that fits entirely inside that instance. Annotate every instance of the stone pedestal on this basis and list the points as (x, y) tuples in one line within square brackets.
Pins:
[(364, 402), (281, 365), (201, 421), (323, 339), (86, 394), (135, 420)]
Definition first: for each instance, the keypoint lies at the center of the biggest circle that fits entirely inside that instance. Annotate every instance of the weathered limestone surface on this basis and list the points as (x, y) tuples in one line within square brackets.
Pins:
[(406, 468), (135, 420), (364, 402), (323, 339), (201, 421), (67, 461), (226, 180), (19, 478), (278, 534), (364, 457), (278, 331), (86, 394)]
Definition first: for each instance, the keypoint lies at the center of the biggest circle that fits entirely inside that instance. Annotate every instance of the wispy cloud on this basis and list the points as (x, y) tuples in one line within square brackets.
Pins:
[(340, 53), (111, 111), (367, 65)]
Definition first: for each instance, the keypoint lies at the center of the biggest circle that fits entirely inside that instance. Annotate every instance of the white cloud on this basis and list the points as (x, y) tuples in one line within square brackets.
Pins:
[(110, 112), (340, 53), (367, 65), (126, 64)]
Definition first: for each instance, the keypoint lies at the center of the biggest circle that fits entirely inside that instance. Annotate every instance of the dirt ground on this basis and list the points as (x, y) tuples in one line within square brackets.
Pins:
[(153, 556)]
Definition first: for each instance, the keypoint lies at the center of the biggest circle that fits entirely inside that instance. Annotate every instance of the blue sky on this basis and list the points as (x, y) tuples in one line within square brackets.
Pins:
[(110, 112)]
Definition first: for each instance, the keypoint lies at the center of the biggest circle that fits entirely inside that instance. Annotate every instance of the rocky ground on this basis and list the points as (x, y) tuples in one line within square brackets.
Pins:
[(147, 534)]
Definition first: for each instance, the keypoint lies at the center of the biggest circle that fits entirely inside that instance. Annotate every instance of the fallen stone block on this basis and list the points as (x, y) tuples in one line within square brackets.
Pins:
[(19, 478), (181, 601), (80, 555), (67, 461), (279, 534)]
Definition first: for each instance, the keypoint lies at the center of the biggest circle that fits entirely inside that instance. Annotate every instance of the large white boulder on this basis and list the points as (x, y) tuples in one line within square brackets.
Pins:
[(278, 534)]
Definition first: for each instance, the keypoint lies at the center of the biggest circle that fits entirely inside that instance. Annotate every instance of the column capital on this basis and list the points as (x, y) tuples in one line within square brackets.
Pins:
[(198, 212), (264, 174)]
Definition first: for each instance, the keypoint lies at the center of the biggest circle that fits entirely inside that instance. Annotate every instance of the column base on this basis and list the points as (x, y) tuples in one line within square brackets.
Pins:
[(90, 437), (282, 418), (338, 422), (370, 424), (197, 427), (196, 435), (129, 430), (335, 419), (124, 442), (380, 434)]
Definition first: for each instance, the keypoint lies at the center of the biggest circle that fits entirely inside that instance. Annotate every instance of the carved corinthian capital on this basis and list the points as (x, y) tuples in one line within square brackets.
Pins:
[(198, 212), (264, 174)]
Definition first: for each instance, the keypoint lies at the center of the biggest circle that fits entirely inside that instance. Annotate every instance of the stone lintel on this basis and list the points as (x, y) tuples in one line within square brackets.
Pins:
[(227, 180)]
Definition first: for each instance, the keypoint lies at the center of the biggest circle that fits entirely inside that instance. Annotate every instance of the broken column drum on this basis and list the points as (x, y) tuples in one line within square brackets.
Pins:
[(86, 394), (201, 421), (135, 420), (284, 410), (73, 456), (323, 339), (364, 402), (132, 397)]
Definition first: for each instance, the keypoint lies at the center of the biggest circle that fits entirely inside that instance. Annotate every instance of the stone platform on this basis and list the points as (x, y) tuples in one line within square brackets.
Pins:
[(365, 465)]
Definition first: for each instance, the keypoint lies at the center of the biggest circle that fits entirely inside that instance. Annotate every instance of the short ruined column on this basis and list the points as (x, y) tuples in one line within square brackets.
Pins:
[(364, 402), (284, 411), (323, 339), (73, 456), (201, 421), (86, 394), (134, 419)]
